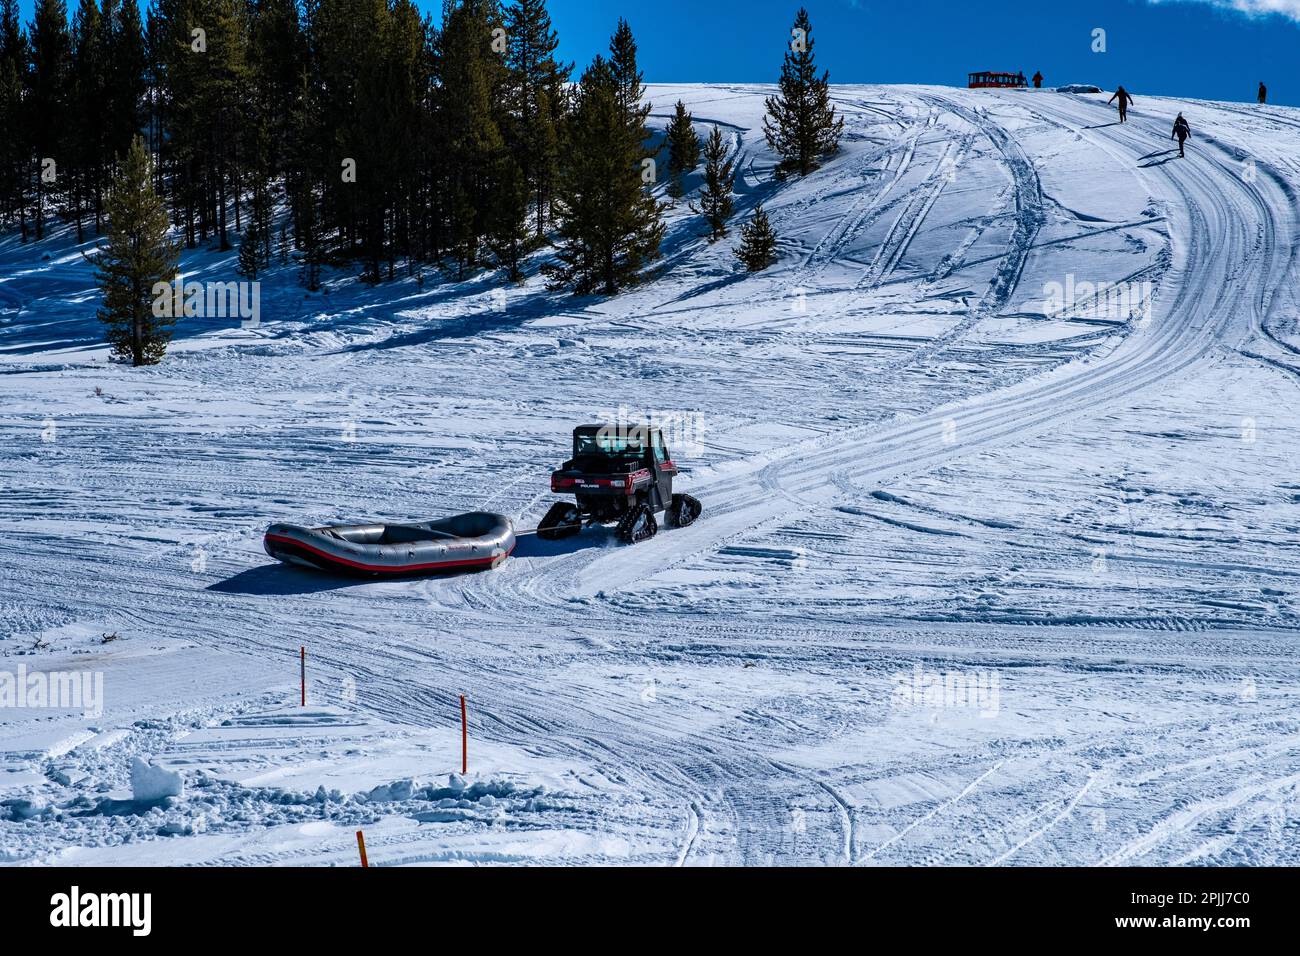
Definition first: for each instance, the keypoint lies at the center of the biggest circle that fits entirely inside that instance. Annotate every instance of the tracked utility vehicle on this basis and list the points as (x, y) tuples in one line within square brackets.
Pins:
[(618, 473)]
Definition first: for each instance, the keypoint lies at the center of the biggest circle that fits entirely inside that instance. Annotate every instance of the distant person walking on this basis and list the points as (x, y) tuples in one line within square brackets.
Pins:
[(1263, 93), (1038, 79), (1182, 132), (1020, 79), (1121, 94)]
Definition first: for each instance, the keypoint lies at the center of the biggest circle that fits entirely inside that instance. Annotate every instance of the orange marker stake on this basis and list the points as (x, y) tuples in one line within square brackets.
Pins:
[(464, 738), (361, 845)]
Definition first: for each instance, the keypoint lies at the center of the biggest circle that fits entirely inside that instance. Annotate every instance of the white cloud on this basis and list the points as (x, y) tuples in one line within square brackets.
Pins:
[(1253, 8)]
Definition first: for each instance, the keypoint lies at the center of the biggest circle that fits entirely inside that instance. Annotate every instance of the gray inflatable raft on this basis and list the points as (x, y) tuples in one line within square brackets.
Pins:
[(467, 542)]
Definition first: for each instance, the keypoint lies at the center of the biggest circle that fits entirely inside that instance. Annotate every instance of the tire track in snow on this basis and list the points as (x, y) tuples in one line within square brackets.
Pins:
[(930, 815), (909, 221), (1186, 818), (737, 506), (1069, 808), (692, 831), (600, 729), (1028, 215)]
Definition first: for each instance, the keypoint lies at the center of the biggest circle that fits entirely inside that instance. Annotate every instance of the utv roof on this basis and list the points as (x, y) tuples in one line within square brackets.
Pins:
[(626, 426)]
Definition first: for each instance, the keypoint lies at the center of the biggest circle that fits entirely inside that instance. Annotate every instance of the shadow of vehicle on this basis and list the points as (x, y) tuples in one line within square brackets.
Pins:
[(528, 545), (284, 579)]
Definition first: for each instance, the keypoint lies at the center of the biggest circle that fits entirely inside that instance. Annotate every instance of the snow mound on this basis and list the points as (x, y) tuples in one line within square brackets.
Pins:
[(1078, 88), (151, 783)]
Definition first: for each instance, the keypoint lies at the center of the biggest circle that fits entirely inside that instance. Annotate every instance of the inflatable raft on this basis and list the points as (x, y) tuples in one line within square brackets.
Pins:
[(467, 542)]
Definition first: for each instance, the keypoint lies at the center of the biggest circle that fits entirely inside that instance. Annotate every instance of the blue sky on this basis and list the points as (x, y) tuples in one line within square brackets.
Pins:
[(1196, 48)]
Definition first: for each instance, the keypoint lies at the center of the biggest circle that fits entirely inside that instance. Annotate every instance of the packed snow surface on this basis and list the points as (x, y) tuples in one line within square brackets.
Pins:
[(998, 561)]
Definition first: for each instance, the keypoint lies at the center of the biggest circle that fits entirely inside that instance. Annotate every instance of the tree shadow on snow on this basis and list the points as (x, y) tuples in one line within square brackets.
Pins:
[(541, 303)]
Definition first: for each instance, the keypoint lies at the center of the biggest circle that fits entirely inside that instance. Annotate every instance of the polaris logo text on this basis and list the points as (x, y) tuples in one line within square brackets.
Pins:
[(209, 300), (133, 910), (57, 690)]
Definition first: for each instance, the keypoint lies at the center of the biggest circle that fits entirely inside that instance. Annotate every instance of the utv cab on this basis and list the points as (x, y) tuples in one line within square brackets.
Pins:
[(618, 473)]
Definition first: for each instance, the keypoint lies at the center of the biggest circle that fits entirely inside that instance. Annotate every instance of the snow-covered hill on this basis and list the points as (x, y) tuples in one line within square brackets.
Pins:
[(997, 562)]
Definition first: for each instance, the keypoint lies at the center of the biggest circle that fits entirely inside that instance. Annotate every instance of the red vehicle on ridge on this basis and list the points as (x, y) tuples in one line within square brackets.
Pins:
[(991, 80)]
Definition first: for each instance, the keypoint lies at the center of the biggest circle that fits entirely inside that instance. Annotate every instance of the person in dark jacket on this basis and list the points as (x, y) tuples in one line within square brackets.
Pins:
[(1121, 94), (1263, 93), (1182, 132), (1038, 79)]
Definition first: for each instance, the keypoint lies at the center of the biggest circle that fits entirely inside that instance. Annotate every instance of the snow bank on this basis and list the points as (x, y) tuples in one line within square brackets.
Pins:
[(151, 783)]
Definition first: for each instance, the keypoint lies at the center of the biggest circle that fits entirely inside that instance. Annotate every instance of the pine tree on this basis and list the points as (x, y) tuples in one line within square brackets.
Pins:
[(469, 74), (15, 144), (683, 148), (225, 84), (277, 53), (757, 248), (47, 102), (609, 223), (313, 251), (719, 181), (442, 128), (156, 35), (801, 126), (628, 79), (537, 81), (250, 252), (629, 91), (86, 139), (207, 84), (510, 231), (266, 112), (137, 257), (125, 55)]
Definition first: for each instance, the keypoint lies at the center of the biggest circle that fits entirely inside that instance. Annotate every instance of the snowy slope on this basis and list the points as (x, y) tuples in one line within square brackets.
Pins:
[(979, 580)]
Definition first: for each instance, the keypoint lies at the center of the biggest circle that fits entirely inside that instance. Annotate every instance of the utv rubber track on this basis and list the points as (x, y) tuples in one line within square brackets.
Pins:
[(563, 520), (682, 511), (637, 525)]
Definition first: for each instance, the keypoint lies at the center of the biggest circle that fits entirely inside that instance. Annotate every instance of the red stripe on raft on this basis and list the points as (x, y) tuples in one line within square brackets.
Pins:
[(396, 569)]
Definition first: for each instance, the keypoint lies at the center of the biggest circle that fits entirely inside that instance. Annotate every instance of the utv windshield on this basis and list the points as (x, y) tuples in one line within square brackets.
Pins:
[(609, 443)]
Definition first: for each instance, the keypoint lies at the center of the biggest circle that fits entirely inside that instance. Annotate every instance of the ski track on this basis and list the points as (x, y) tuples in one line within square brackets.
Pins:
[(712, 769)]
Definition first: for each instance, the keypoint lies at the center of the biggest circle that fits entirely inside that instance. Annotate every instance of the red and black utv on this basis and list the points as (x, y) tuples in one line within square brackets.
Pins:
[(621, 473)]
